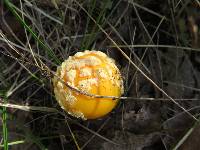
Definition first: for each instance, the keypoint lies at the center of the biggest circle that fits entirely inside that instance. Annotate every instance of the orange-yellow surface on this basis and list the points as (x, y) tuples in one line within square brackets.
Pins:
[(92, 72)]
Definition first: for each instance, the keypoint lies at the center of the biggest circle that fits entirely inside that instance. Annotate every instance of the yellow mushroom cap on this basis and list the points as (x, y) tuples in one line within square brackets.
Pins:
[(92, 72)]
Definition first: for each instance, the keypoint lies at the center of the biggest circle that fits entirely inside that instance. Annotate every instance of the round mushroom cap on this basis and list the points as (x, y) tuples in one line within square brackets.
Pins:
[(92, 72)]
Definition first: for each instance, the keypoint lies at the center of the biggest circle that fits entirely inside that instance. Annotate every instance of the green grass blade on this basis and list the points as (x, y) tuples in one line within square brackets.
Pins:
[(5, 130), (87, 41), (91, 9), (14, 143), (50, 52)]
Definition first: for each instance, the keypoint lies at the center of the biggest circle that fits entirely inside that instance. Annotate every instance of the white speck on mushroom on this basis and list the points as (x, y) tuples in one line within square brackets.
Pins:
[(70, 98), (85, 72), (89, 61), (102, 73), (71, 75), (86, 84), (77, 114)]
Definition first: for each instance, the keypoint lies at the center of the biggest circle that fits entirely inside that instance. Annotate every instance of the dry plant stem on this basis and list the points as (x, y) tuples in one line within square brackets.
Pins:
[(132, 52), (93, 136), (114, 97), (158, 46), (28, 108), (85, 93), (49, 109), (124, 54), (73, 136), (15, 46), (29, 45), (146, 9), (97, 134), (150, 41)]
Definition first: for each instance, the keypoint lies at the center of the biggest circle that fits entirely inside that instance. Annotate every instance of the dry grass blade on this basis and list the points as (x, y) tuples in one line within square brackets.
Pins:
[(146, 9), (183, 86), (97, 134), (73, 136), (28, 108), (159, 46), (138, 59), (93, 136), (43, 13)]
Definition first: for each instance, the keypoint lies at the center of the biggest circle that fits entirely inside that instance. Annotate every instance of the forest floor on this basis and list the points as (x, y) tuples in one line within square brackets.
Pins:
[(156, 45)]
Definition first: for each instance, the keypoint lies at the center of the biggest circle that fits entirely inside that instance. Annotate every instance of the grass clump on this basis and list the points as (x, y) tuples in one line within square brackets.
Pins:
[(155, 45)]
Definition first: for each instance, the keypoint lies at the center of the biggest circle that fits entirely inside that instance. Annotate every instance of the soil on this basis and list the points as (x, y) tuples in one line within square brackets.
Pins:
[(163, 35)]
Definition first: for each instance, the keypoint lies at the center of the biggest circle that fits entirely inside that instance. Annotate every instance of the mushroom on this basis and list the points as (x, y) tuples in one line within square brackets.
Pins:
[(92, 72)]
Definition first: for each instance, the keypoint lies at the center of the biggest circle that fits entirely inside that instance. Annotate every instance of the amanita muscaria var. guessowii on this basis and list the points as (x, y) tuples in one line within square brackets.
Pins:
[(92, 72)]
